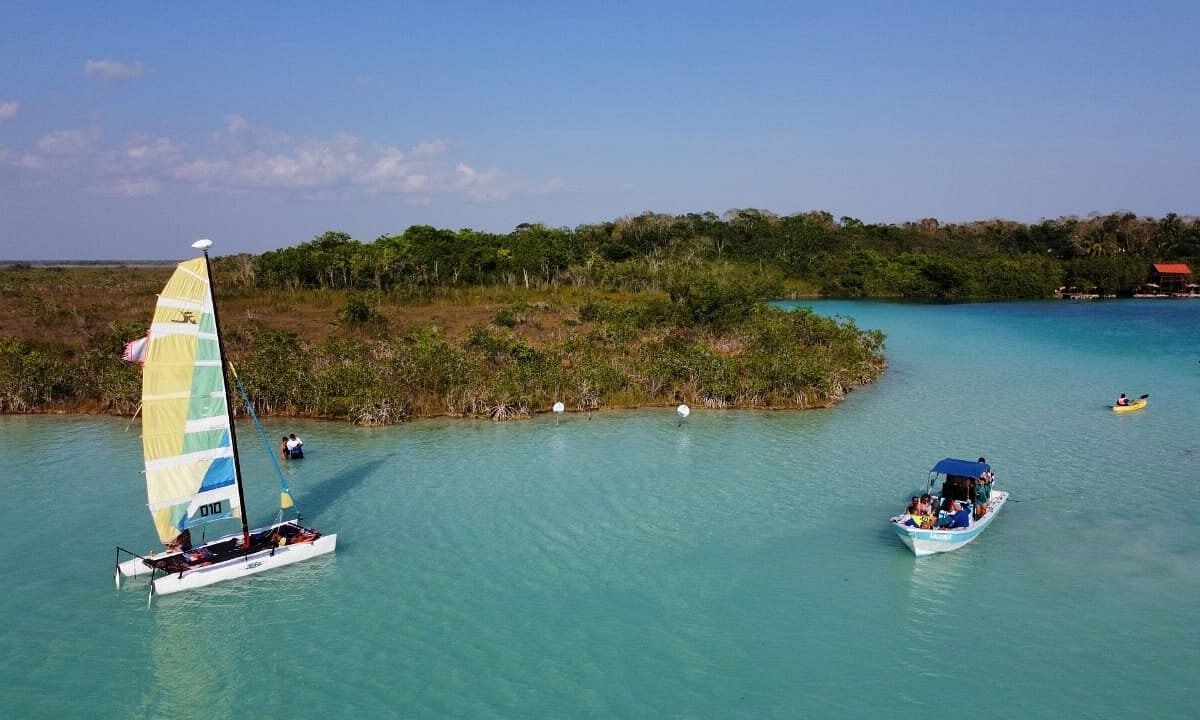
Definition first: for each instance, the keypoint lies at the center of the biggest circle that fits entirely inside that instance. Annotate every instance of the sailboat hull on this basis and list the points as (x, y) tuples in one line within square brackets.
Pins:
[(231, 569), (251, 564)]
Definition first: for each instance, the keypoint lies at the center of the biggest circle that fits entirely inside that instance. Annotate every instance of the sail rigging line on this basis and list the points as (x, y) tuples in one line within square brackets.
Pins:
[(262, 434), (134, 416), (237, 464)]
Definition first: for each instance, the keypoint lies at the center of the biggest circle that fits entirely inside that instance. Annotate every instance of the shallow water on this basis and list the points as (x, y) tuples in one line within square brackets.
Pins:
[(627, 564)]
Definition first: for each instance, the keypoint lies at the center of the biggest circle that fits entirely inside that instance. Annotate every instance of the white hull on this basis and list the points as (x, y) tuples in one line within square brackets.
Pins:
[(238, 567), (243, 567), (931, 541)]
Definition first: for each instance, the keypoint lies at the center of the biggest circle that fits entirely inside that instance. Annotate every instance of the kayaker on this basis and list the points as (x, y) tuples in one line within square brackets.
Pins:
[(1122, 400)]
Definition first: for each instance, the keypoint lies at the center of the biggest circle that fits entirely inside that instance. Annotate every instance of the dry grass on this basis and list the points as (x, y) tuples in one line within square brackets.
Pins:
[(62, 305)]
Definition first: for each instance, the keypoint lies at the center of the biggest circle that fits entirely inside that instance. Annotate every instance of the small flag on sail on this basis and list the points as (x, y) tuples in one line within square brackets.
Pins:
[(135, 350)]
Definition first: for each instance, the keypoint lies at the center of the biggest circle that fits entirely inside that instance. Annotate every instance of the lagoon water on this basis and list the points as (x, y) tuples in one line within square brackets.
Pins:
[(629, 565)]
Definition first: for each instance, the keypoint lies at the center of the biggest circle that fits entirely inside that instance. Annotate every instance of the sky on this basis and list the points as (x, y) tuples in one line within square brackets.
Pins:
[(130, 129)]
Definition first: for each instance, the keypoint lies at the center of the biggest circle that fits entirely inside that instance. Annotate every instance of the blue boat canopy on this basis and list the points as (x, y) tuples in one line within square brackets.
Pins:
[(965, 468)]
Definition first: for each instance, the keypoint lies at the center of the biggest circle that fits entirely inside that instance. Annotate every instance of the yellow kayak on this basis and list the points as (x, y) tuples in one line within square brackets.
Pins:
[(1135, 405)]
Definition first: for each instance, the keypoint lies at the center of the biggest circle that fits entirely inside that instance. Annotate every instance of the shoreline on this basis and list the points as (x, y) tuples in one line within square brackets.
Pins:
[(511, 417)]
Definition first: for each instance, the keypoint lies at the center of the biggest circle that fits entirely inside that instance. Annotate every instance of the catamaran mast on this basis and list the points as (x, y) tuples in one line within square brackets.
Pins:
[(237, 465)]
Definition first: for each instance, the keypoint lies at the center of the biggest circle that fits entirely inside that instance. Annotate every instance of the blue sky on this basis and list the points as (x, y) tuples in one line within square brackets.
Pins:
[(130, 129)]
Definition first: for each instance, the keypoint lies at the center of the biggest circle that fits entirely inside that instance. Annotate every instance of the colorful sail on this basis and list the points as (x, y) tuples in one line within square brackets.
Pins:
[(191, 477)]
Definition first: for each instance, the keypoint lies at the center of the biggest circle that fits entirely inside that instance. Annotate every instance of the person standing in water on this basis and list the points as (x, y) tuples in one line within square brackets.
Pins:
[(295, 446)]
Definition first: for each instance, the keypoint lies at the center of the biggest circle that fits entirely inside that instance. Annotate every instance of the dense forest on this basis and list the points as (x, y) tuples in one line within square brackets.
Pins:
[(646, 310), (810, 253)]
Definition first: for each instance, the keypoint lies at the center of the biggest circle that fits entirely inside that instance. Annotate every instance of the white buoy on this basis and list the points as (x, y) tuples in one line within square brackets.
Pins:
[(683, 411), (558, 411)]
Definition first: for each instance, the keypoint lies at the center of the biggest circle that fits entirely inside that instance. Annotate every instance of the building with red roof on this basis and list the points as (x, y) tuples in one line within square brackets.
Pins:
[(1173, 277)]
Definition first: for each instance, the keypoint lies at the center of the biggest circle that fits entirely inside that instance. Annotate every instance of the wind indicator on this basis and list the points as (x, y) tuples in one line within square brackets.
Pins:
[(683, 411)]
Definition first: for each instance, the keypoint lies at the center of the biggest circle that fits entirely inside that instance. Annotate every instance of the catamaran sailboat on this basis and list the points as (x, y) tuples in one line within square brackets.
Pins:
[(193, 475)]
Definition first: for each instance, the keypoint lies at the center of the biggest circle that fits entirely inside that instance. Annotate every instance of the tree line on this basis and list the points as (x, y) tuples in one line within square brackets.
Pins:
[(811, 252)]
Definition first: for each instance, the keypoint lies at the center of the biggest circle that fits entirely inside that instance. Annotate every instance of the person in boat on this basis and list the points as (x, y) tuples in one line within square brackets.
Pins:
[(920, 512), (182, 541), (295, 446), (980, 494), (1122, 400), (926, 504), (982, 490), (958, 516), (199, 557), (911, 513)]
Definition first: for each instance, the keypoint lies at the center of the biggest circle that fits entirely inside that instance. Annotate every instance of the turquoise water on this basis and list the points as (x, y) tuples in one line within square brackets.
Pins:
[(629, 565)]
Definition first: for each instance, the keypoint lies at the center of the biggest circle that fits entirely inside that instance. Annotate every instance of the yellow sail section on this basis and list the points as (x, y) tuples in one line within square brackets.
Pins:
[(190, 473)]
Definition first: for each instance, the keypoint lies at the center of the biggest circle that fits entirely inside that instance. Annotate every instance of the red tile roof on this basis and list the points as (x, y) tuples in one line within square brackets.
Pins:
[(1172, 268)]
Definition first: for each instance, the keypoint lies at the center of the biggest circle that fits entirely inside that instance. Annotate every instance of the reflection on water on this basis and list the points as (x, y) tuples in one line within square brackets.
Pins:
[(190, 660), (213, 653)]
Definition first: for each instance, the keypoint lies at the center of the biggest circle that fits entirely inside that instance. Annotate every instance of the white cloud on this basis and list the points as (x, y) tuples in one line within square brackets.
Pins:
[(306, 164), (69, 143), (127, 187), (9, 109), (430, 149), (146, 149), (547, 188), (75, 153), (236, 124), (244, 158), (32, 162), (485, 186), (113, 71)]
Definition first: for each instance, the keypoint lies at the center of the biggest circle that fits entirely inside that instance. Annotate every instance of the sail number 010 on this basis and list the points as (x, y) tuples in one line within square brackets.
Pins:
[(210, 509)]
